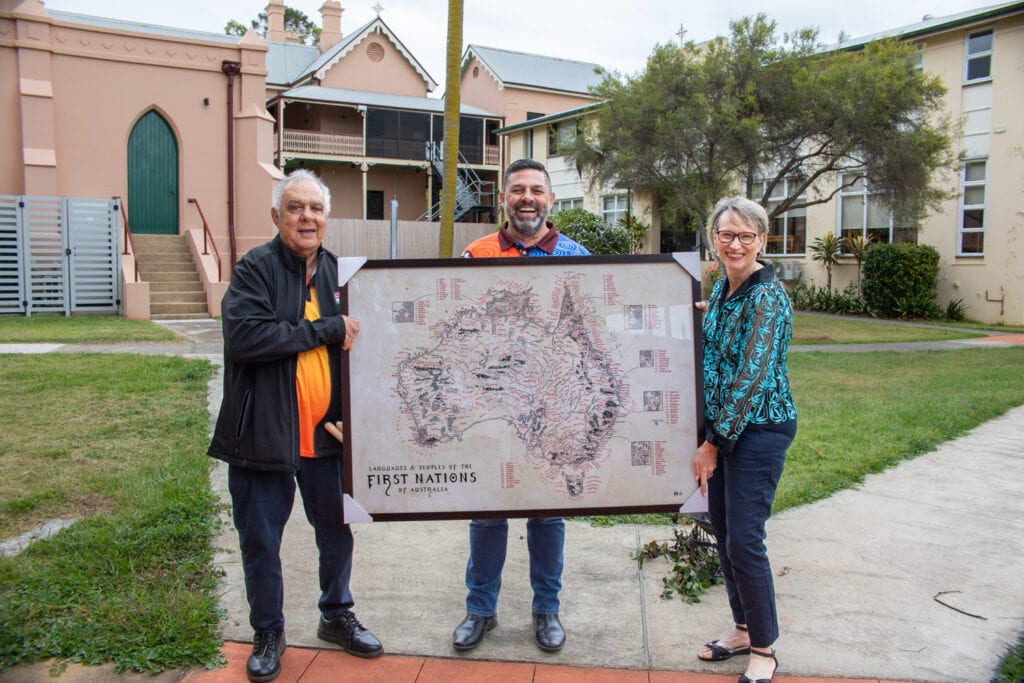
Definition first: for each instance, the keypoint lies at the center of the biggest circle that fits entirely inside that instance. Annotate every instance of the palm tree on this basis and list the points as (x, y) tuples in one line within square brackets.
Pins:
[(825, 251), (856, 244), (453, 56)]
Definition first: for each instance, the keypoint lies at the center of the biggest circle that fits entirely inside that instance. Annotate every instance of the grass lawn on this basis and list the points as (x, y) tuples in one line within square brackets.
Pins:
[(864, 412), (117, 442), (80, 329), (819, 329)]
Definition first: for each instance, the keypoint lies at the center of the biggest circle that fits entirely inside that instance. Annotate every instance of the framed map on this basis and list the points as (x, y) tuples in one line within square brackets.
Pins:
[(521, 387)]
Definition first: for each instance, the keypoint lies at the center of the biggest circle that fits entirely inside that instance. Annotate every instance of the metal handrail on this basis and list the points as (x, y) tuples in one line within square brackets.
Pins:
[(128, 238), (207, 235), (469, 187)]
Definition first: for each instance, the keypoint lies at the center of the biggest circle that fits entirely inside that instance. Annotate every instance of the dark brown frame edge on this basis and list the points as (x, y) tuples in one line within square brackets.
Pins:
[(698, 364)]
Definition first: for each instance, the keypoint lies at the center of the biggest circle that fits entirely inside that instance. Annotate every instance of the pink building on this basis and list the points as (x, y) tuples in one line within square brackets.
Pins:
[(191, 129)]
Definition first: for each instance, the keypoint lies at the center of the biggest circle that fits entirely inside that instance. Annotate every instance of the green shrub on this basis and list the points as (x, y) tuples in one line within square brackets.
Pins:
[(900, 280), (596, 235), (956, 310), (811, 298)]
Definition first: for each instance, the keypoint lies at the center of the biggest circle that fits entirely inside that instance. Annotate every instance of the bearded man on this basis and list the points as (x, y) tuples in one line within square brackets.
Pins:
[(526, 197)]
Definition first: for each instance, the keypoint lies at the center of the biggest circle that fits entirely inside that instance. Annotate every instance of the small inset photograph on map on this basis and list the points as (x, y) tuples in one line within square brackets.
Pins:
[(640, 452), (652, 401), (634, 316), (403, 312)]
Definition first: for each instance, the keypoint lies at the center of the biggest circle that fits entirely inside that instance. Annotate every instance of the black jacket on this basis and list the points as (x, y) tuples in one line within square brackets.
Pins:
[(264, 330)]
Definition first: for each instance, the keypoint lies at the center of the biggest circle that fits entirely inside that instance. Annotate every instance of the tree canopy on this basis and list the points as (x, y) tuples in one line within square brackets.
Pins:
[(294, 20), (754, 114)]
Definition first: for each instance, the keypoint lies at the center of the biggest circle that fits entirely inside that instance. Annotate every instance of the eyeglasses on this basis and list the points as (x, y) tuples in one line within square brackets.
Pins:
[(745, 238)]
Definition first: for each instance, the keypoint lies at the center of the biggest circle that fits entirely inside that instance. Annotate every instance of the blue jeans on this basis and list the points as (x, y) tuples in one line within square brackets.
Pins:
[(488, 541), (740, 496), (262, 502)]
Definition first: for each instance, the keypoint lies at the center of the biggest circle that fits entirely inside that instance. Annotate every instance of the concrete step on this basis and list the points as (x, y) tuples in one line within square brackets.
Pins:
[(175, 291), (178, 309), (144, 247), (167, 267), (180, 316), (177, 298), (163, 277), (191, 285)]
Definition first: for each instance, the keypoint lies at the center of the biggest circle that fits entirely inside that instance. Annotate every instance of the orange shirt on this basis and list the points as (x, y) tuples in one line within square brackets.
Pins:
[(312, 384)]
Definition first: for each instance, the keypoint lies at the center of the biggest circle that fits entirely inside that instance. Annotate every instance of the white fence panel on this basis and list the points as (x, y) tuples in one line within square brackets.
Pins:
[(59, 255), (416, 239)]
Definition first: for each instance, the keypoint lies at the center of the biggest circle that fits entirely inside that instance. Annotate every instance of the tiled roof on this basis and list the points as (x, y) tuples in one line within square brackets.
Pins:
[(318, 93), (537, 71), (286, 61)]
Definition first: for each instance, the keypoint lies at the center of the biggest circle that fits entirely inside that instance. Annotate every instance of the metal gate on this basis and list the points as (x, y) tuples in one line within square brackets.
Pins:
[(59, 255)]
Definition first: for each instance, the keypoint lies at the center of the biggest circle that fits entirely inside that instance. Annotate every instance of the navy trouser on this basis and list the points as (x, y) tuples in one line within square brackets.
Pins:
[(261, 503), (740, 495)]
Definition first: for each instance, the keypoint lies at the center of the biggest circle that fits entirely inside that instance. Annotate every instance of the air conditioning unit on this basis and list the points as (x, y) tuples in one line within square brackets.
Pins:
[(788, 271)]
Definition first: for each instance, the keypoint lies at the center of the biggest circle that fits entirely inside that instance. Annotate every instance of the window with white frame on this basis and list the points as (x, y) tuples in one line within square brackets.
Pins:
[(972, 209), (614, 207), (563, 204), (560, 136), (787, 232), (919, 56), (978, 62), (861, 212)]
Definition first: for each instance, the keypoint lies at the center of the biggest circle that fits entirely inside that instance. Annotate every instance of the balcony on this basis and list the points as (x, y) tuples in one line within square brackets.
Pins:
[(331, 144), (344, 145)]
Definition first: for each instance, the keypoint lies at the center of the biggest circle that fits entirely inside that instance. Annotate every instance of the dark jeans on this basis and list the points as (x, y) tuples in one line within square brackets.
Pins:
[(740, 495), (488, 541), (262, 502)]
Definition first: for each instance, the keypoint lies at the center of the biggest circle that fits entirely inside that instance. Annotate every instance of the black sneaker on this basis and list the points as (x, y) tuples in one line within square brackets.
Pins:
[(346, 631), (264, 664)]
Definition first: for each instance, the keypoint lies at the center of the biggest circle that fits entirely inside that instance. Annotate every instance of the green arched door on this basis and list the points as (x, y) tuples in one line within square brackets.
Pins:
[(153, 177)]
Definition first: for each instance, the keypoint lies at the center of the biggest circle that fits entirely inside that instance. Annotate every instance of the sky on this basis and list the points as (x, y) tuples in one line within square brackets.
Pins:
[(617, 34)]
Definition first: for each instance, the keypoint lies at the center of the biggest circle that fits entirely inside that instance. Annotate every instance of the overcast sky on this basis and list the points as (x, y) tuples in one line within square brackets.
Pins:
[(617, 34)]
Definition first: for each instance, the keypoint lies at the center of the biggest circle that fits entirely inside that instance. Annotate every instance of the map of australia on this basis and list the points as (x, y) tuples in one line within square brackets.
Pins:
[(547, 371)]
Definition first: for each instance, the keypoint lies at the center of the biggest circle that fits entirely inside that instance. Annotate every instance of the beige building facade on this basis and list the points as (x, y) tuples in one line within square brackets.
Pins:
[(979, 234)]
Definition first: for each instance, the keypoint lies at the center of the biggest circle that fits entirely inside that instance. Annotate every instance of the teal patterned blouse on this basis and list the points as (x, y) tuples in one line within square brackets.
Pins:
[(746, 337)]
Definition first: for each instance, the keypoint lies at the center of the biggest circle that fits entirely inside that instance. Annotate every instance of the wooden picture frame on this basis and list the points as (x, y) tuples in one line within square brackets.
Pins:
[(521, 387)]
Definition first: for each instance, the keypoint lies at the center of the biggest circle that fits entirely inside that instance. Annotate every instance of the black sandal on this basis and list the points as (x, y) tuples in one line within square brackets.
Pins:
[(720, 653), (744, 679)]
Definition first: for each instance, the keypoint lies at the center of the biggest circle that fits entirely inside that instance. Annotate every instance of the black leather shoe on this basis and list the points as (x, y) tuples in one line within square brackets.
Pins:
[(470, 632), (549, 631), (264, 664), (353, 638)]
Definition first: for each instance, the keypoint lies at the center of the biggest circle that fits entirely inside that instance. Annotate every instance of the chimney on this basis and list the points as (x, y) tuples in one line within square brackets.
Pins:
[(275, 21), (331, 31)]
